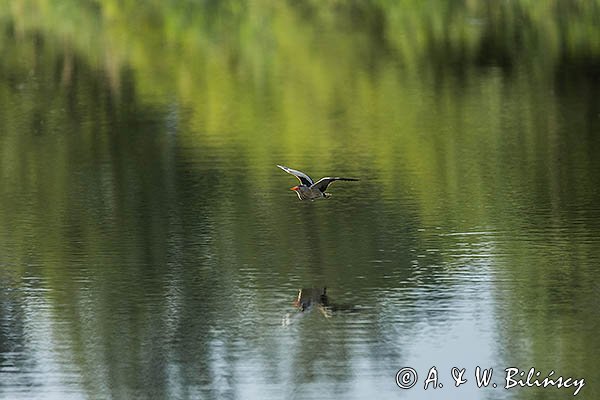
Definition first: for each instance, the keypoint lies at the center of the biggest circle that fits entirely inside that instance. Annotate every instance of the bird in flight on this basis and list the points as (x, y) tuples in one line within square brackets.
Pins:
[(309, 190)]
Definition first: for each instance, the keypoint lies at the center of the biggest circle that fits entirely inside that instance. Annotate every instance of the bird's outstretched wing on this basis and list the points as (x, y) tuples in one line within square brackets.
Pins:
[(324, 182), (302, 177)]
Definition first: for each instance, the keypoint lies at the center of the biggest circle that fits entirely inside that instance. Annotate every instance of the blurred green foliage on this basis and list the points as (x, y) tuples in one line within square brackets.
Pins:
[(294, 75)]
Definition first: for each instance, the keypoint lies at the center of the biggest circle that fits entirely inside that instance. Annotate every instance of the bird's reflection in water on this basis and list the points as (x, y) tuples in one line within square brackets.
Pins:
[(316, 298), (313, 297)]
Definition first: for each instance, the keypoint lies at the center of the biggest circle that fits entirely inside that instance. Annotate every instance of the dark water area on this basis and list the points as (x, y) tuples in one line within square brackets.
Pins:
[(150, 247)]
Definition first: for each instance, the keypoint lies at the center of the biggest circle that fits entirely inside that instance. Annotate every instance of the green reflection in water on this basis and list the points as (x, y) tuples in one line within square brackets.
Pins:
[(129, 134)]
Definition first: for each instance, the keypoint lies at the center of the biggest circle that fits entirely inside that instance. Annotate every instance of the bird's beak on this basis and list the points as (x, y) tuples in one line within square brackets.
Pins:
[(295, 188)]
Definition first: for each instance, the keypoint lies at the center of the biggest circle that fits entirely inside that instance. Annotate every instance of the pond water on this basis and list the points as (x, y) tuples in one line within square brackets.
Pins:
[(150, 247)]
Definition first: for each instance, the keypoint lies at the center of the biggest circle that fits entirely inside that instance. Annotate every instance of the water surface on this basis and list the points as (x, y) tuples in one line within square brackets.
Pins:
[(150, 248)]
